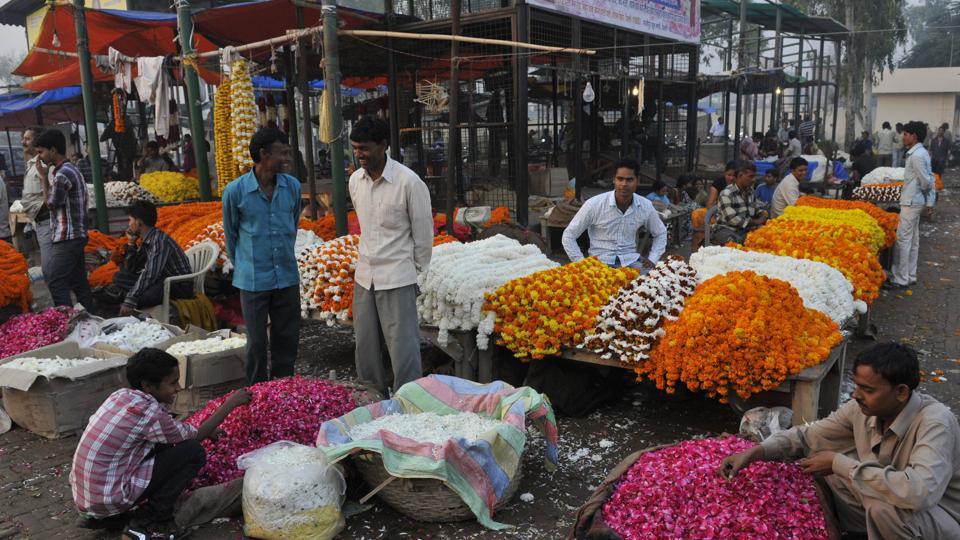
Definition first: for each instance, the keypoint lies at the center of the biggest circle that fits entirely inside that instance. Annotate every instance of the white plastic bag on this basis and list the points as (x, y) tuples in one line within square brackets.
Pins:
[(760, 423), (291, 492)]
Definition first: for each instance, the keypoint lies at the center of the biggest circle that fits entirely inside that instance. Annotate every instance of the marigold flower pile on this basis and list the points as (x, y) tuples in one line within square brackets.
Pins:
[(885, 192), (676, 492), (97, 240), (290, 409), (541, 313), (739, 332), (170, 186), (631, 323), (888, 221), (214, 233), (103, 275), (326, 278), (500, 214), (14, 280), (462, 232), (31, 331), (325, 227), (443, 238), (826, 244), (183, 222), (855, 224)]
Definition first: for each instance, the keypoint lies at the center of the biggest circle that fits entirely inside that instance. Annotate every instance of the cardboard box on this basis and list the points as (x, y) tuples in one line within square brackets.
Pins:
[(207, 376), (175, 330), (61, 406), (550, 182)]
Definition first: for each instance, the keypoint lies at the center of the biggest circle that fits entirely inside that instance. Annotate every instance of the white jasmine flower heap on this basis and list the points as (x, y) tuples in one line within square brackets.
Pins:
[(631, 323), (452, 291), (48, 367)]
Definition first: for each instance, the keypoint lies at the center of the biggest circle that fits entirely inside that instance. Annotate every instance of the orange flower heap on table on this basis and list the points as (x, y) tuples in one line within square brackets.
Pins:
[(888, 221), (826, 244), (14, 280), (541, 313), (739, 332), (443, 238), (97, 240)]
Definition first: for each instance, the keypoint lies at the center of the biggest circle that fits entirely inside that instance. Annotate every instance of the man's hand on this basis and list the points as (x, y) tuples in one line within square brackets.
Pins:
[(819, 464), (737, 462), (238, 398), (126, 310), (42, 169), (928, 212), (647, 263)]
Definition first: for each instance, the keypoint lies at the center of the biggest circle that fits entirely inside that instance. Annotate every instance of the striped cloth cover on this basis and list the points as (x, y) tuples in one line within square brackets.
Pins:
[(478, 471)]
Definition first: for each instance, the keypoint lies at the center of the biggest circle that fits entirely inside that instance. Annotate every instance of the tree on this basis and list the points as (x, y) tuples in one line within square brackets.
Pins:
[(877, 28), (932, 47), (8, 63)]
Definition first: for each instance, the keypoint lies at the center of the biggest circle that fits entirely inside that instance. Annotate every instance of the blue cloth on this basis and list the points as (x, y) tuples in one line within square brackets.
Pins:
[(765, 193), (261, 233), (12, 103), (652, 196)]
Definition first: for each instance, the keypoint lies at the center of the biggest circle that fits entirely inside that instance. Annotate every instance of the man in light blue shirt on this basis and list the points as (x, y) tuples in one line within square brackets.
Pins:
[(612, 220), (916, 194), (260, 213)]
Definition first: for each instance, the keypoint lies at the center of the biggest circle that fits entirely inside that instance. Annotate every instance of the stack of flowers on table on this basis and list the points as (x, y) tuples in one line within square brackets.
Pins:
[(96, 240), (821, 287), (31, 331), (14, 280), (124, 194), (826, 244), (887, 221), (885, 192), (632, 322), (539, 314), (850, 223), (453, 289), (676, 492), (326, 278), (170, 186), (289, 409), (742, 333)]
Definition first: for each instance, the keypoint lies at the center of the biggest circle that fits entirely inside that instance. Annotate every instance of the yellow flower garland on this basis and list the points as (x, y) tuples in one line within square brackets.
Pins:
[(866, 228)]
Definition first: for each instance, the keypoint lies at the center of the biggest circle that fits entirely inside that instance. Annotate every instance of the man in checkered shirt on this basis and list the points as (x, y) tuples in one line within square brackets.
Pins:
[(737, 209), (134, 459)]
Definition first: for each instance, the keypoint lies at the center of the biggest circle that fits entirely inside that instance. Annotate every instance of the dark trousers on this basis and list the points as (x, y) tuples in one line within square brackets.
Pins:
[(282, 307), (68, 273), (174, 467), (153, 294)]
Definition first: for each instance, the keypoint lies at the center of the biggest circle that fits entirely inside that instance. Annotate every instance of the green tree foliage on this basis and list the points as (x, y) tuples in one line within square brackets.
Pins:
[(933, 47)]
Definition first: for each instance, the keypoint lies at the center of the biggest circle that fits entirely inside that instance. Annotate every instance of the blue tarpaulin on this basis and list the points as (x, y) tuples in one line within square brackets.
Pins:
[(261, 82), (13, 103)]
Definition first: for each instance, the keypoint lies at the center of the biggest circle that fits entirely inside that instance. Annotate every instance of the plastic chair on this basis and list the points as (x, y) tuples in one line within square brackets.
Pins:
[(706, 224), (202, 257)]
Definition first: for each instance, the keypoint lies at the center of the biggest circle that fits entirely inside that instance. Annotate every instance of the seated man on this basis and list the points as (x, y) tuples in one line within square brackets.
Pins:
[(737, 209), (788, 191), (152, 161), (766, 189), (134, 460), (143, 268), (612, 220), (890, 456)]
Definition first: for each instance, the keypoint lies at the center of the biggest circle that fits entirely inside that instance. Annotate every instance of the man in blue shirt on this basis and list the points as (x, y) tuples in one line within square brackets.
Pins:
[(766, 189), (916, 194), (260, 213)]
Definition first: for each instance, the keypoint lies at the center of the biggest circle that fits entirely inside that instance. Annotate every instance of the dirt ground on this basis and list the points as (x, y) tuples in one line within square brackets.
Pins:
[(35, 498)]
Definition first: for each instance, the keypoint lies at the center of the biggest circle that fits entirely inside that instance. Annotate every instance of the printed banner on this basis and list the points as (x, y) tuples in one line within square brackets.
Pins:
[(670, 19)]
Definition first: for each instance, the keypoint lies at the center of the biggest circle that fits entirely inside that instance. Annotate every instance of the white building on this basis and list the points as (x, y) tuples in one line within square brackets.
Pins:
[(930, 95)]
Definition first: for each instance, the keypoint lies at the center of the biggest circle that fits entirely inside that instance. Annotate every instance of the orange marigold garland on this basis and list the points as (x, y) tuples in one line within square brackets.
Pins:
[(97, 240), (325, 227), (443, 238), (103, 275), (739, 332), (500, 214), (541, 313), (14, 280), (888, 221), (119, 104), (326, 278)]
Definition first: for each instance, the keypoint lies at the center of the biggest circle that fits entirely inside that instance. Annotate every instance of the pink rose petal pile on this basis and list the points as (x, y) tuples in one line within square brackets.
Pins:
[(34, 330), (676, 492), (290, 409)]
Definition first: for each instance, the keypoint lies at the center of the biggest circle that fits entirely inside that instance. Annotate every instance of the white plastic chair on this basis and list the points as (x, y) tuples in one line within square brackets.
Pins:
[(202, 257)]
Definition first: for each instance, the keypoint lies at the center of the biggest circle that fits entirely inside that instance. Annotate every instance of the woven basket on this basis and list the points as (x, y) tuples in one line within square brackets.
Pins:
[(422, 499)]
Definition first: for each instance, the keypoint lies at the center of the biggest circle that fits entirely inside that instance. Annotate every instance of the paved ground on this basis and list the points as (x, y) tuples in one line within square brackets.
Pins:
[(35, 499)]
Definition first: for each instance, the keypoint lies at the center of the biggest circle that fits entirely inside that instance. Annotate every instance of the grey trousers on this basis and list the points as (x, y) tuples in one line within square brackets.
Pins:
[(282, 306), (386, 317), (42, 229)]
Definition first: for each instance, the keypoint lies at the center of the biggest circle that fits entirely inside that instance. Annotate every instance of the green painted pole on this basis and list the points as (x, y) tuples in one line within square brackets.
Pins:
[(185, 29), (331, 77), (89, 118)]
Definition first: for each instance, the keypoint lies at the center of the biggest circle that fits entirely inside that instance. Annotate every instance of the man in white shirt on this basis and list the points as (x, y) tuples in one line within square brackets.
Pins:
[(917, 192), (34, 199), (719, 129), (788, 190), (612, 220), (794, 148), (885, 140), (396, 240)]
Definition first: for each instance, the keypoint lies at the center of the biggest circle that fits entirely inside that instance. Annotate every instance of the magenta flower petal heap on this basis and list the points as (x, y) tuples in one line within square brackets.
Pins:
[(34, 330), (676, 492), (290, 409)]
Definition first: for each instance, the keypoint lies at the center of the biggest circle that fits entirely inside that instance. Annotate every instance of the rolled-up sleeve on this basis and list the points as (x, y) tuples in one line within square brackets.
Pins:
[(421, 223), (163, 429), (834, 433), (581, 220)]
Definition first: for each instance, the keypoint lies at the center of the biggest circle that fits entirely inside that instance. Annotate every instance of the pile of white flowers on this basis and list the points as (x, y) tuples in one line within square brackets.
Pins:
[(629, 326), (49, 367), (452, 290), (427, 427), (821, 287), (121, 194), (208, 345), (882, 175), (326, 278), (136, 336)]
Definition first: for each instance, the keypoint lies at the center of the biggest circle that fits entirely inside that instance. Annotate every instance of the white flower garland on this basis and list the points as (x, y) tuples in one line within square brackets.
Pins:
[(427, 427), (452, 291), (325, 269), (631, 323), (49, 367), (821, 287), (208, 345), (136, 336)]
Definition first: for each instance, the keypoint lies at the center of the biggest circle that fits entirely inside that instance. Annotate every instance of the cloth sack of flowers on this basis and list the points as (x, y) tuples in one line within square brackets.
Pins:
[(455, 463), (291, 492), (690, 478)]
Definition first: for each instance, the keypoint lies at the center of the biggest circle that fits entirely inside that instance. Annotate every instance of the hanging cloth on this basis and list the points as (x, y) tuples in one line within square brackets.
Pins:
[(153, 86), (121, 68)]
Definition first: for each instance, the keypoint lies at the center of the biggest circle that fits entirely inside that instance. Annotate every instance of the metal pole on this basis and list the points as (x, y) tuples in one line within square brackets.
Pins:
[(331, 77), (521, 33), (13, 162), (556, 113), (89, 114), (796, 91), (728, 66), (661, 114), (185, 30), (836, 90), (393, 97), (818, 105), (692, 111), (308, 151), (453, 148), (289, 74), (753, 119), (777, 62)]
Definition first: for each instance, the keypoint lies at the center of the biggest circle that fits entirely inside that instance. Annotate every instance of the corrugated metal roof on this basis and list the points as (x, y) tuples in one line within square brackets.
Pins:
[(792, 20), (945, 80)]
